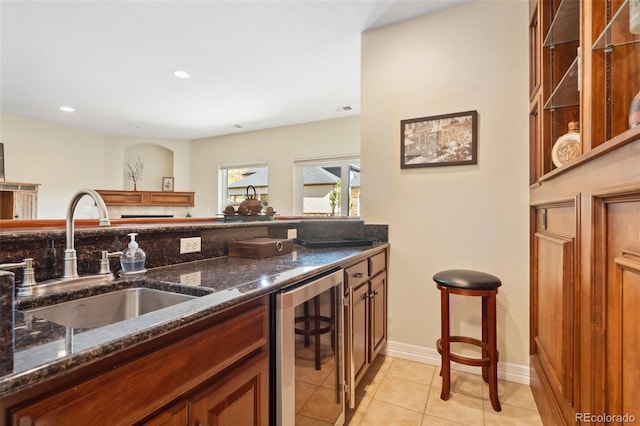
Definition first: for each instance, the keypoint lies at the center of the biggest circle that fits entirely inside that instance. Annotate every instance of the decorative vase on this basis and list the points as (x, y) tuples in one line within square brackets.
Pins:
[(634, 112), (134, 186), (568, 146)]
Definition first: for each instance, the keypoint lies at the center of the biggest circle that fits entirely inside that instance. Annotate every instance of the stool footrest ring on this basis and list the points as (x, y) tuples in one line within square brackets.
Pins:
[(327, 325), (465, 360)]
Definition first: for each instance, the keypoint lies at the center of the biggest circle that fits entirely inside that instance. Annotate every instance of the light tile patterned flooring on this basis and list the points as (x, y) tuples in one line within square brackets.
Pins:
[(397, 392)]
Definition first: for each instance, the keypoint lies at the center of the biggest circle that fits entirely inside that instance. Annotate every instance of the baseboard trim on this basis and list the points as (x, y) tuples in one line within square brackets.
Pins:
[(506, 371)]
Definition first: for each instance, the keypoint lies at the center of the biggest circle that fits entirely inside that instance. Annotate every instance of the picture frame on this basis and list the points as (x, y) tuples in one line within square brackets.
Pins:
[(2, 162), (439, 140), (167, 184)]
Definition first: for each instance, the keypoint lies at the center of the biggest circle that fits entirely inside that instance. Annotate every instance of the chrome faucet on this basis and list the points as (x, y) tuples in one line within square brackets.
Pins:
[(70, 259), (28, 278)]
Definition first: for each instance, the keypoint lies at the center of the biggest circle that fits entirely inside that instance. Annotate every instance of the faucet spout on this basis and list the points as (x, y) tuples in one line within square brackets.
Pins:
[(70, 259)]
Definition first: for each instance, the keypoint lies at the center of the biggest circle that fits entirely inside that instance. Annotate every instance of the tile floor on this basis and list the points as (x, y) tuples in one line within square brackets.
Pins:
[(396, 392)]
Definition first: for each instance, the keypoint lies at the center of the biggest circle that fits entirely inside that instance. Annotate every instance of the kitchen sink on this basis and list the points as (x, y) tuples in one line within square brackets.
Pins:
[(108, 308)]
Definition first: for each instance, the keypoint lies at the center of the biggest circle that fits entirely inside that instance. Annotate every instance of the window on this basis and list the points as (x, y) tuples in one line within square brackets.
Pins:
[(328, 187), (235, 181)]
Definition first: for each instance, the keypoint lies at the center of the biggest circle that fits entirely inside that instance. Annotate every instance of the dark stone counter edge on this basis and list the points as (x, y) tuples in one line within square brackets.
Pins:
[(13, 383), (88, 231)]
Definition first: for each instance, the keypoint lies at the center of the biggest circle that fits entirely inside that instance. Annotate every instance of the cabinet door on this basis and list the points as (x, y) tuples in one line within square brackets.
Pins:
[(176, 415), (25, 205), (554, 322), (240, 398), (360, 330), (378, 303), (618, 303)]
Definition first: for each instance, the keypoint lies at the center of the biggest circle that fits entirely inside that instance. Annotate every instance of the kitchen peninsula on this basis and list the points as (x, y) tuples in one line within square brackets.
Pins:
[(175, 355)]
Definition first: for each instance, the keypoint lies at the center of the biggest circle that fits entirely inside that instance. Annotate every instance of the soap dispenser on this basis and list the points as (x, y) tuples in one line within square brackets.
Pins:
[(133, 258)]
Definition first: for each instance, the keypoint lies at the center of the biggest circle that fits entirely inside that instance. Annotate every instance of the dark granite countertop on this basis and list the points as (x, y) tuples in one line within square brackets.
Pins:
[(44, 350)]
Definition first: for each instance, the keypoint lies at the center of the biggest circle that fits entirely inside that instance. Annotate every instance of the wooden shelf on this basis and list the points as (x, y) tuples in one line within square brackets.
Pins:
[(147, 198)]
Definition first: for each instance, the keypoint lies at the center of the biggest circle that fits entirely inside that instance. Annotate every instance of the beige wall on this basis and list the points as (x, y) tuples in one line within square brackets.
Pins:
[(471, 57), (60, 158), (154, 153), (278, 148), (64, 160)]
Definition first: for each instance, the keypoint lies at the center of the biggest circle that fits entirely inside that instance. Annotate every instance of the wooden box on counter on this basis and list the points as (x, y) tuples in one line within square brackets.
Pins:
[(260, 248)]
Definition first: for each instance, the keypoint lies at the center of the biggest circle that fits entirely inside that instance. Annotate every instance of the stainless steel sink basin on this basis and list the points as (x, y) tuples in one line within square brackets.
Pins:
[(108, 308)]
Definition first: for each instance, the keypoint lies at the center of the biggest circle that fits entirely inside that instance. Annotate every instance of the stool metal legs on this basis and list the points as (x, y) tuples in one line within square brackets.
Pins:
[(488, 344)]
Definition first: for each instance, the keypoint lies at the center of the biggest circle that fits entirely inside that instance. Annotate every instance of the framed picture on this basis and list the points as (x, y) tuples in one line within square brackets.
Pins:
[(167, 183), (440, 140)]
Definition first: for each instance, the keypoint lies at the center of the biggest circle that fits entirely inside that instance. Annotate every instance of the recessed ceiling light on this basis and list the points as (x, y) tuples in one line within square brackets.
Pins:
[(181, 74), (67, 109)]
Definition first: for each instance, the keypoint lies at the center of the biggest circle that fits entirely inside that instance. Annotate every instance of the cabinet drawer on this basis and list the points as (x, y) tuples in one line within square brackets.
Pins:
[(377, 263), (357, 274)]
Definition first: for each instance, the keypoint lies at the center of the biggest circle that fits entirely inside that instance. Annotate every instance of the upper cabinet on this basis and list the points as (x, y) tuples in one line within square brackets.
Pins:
[(585, 69), (18, 200)]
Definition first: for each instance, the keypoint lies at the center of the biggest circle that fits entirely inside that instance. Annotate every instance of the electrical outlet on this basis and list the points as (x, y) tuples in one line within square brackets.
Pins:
[(190, 245), (192, 278), (292, 233)]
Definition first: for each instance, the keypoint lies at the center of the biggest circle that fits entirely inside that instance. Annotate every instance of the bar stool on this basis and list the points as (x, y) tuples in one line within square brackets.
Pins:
[(315, 325), (470, 283)]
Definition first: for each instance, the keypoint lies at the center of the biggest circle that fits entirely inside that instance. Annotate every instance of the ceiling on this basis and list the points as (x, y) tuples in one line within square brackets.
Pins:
[(253, 64)]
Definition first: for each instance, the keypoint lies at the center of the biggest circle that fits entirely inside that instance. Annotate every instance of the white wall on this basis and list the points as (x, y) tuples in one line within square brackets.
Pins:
[(471, 57), (278, 147)]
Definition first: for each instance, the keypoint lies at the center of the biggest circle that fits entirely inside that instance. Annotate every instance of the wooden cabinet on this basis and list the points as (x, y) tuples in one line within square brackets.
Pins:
[(365, 317), (18, 200), (215, 368), (176, 415), (585, 214), (147, 198), (236, 399)]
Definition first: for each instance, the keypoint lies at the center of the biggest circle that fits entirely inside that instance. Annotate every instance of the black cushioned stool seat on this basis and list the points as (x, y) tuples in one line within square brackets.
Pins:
[(470, 283)]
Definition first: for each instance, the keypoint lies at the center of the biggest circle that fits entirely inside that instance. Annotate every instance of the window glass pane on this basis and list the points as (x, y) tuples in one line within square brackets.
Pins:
[(236, 181), (354, 188), (321, 193), (330, 188)]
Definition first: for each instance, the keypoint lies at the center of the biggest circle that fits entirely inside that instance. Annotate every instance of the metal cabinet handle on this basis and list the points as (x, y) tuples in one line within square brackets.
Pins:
[(358, 275)]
